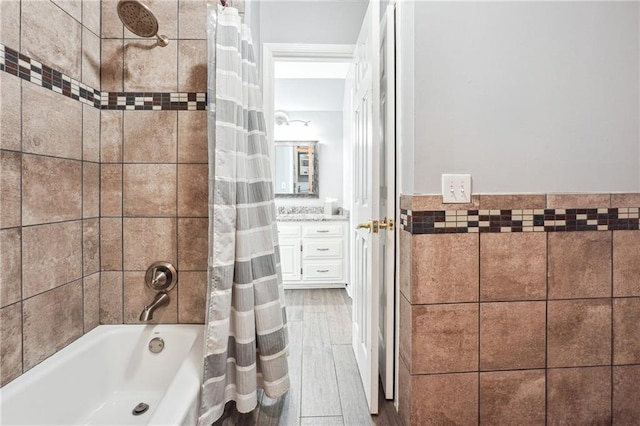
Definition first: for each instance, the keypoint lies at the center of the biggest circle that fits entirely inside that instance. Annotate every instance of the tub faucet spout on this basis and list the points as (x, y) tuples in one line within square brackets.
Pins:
[(162, 298)]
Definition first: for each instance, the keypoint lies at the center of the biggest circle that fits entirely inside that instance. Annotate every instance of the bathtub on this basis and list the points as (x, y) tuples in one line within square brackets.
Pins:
[(101, 377)]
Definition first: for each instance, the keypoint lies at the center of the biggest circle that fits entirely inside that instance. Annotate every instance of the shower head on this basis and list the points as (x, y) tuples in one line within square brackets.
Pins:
[(140, 20)]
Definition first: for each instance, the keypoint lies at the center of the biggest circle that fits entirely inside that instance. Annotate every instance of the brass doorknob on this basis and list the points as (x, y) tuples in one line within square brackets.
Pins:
[(371, 226)]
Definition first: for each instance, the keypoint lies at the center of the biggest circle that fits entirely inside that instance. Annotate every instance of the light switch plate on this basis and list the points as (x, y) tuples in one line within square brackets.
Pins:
[(456, 188)]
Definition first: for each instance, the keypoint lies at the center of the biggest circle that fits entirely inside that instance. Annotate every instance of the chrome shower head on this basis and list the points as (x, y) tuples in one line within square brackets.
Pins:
[(140, 20)]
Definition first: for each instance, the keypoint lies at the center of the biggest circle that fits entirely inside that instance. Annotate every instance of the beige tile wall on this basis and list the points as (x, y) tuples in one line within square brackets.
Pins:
[(520, 328), (49, 185), (153, 204)]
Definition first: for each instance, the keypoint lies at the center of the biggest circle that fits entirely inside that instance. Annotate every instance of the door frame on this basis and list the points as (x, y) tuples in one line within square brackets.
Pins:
[(294, 52), (388, 70), (271, 52), (405, 139)]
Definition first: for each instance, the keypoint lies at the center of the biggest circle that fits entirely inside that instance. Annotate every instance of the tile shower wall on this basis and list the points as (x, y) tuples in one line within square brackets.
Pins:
[(71, 173), (501, 327), (49, 185), (153, 171)]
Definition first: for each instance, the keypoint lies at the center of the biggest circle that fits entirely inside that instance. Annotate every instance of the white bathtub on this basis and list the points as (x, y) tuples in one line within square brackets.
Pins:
[(101, 377)]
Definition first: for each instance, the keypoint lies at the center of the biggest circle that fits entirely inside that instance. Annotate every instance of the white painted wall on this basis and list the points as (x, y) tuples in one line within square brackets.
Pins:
[(252, 18), (326, 128), (525, 96), (308, 94), (324, 22), (405, 96)]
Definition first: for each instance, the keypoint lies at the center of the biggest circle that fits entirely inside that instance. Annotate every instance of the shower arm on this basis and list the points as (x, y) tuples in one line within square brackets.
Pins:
[(162, 40)]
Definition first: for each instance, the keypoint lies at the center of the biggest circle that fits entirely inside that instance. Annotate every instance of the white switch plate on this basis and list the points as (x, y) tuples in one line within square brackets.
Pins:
[(456, 189)]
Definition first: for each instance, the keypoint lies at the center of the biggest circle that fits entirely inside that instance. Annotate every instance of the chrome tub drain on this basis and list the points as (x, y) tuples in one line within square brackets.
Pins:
[(140, 409)]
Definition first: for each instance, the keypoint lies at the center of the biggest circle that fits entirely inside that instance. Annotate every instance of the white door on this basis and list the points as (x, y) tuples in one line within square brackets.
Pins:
[(366, 195), (387, 202)]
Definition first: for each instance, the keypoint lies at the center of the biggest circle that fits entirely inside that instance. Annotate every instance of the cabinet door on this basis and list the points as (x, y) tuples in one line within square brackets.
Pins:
[(290, 259)]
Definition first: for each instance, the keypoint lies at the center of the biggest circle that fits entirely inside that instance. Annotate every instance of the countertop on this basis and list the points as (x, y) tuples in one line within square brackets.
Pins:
[(311, 217)]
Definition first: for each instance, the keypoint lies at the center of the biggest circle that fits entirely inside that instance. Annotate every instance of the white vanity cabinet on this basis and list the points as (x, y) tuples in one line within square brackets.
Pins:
[(313, 254)]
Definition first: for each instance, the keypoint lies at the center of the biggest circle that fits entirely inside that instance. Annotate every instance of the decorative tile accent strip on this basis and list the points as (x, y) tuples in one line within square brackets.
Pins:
[(527, 220), (31, 70), (154, 101)]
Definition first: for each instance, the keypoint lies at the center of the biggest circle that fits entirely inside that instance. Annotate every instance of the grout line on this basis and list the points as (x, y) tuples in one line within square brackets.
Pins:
[(479, 260), (82, 221), (612, 328), (546, 333), (35, 154), (507, 370), (122, 150), (177, 42), (546, 324), (517, 301), (176, 217), (335, 371), (124, 57), (69, 14), (53, 288), (22, 328), (302, 358), (100, 193), (82, 41)]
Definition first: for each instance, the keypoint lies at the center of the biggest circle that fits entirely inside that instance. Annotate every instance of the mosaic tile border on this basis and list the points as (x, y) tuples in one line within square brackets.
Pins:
[(526, 220), (154, 101), (28, 69), (31, 70)]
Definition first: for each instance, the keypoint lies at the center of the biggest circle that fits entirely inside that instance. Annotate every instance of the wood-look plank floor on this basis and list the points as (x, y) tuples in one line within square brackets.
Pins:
[(325, 382)]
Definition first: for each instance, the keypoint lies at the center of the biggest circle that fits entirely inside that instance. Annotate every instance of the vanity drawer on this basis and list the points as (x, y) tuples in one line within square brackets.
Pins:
[(322, 230), (328, 270), (288, 230), (320, 248)]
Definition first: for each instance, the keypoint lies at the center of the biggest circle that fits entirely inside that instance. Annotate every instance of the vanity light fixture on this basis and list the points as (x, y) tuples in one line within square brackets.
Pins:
[(283, 119)]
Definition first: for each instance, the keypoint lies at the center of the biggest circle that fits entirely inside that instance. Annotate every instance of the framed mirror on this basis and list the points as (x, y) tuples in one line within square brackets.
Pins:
[(297, 166)]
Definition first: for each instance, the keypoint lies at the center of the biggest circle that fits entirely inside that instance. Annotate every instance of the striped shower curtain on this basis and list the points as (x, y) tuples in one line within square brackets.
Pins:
[(245, 328)]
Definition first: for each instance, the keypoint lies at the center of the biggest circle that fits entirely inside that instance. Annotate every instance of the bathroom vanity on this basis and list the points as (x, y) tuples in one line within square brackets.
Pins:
[(313, 250)]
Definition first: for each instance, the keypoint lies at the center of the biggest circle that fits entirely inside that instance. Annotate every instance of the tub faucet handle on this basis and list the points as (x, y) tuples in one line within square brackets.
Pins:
[(158, 277), (161, 276)]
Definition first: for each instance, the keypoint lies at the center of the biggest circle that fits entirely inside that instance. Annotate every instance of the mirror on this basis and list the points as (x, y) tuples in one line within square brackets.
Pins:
[(296, 174)]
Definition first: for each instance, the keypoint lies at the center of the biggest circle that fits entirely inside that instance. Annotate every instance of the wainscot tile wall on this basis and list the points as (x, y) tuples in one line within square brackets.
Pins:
[(103, 149), (520, 309)]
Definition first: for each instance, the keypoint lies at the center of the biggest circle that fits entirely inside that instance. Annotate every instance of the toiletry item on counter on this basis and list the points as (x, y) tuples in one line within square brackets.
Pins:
[(330, 207)]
